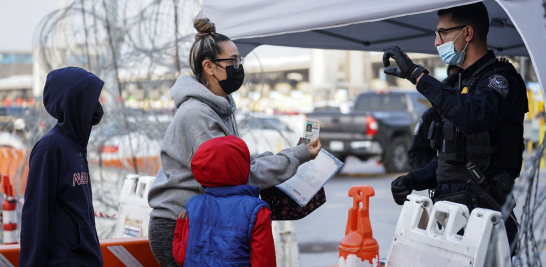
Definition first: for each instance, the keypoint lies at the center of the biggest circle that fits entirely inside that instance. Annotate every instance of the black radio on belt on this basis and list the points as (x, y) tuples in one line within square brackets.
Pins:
[(454, 144), (435, 135)]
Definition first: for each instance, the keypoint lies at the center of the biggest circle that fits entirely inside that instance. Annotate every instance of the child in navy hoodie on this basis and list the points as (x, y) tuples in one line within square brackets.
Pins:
[(58, 222), (229, 225)]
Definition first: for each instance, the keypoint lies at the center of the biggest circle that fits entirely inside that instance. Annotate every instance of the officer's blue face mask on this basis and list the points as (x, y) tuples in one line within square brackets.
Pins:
[(448, 54)]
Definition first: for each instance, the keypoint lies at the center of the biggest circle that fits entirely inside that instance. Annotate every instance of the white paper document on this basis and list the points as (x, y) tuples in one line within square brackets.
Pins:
[(311, 176)]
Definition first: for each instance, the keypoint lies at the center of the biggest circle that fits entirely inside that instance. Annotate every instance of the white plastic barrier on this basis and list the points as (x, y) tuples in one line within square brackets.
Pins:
[(134, 212), (133, 219), (419, 241)]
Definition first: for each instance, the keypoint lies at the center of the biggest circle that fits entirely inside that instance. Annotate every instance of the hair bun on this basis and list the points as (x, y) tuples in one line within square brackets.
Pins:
[(204, 27)]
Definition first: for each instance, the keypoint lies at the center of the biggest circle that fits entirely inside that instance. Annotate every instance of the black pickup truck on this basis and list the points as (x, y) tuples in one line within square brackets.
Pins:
[(380, 125)]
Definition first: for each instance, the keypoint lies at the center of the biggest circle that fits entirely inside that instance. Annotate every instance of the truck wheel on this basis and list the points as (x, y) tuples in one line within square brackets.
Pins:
[(396, 157)]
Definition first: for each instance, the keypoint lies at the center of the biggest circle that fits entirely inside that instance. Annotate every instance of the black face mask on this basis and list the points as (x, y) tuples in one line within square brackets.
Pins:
[(97, 114), (234, 79)]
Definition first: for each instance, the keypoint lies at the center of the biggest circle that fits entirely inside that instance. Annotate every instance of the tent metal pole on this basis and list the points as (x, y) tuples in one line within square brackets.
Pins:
[(339, 36), (368, 43), (409, 26)]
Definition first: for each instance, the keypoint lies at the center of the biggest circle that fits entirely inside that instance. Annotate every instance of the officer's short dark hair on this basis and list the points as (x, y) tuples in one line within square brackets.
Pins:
[(474, 15)]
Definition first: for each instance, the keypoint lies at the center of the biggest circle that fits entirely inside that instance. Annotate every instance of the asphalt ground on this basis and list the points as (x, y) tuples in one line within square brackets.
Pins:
[(319, 234)]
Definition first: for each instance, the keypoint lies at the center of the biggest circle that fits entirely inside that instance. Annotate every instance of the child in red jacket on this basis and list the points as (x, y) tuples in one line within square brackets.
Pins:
[(229, 225)]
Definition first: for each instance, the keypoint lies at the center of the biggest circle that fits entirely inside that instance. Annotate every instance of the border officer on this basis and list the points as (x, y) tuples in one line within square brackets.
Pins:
[(482, 116)]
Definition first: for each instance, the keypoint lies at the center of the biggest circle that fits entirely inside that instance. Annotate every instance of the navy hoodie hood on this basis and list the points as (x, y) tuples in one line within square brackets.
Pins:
[(62, 88)]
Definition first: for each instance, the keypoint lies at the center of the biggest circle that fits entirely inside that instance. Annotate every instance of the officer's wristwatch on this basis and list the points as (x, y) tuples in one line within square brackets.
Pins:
[(413, 77)]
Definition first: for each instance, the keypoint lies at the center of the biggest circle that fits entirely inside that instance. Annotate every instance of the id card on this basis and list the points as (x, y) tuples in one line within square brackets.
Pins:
[(312, 129)]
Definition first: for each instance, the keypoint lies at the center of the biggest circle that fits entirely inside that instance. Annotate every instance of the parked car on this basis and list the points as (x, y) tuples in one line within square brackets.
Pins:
[(333, 106), (12, 118), (327, 109), (264, 133), (380, 125), (23, 122)]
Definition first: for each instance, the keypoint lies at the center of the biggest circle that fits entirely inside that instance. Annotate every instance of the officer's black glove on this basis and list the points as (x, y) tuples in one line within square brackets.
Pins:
[(401, 187), (405, 65)]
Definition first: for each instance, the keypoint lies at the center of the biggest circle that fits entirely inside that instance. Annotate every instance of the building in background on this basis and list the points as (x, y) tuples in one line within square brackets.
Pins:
[(15, 78), (290, 80), (278, 79)]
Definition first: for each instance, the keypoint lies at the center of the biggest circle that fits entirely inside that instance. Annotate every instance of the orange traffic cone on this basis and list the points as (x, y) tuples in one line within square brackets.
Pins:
[(358, 247)]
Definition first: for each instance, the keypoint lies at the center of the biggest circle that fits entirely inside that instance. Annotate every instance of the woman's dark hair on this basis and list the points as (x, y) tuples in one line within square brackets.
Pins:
[(206, 46), (474, 15)]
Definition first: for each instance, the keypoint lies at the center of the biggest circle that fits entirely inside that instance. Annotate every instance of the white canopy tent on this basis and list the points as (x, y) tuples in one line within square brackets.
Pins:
[(518, 27)]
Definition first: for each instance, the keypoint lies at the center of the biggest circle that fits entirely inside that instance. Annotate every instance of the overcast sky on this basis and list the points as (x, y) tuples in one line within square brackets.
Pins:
[(18, 19)]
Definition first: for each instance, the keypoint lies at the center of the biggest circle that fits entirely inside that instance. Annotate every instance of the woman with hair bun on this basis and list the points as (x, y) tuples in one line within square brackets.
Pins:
[(205, 111)]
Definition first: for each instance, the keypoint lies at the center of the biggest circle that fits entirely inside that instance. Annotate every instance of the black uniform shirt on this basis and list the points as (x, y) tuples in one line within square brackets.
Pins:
[(498, 97), (420, 152)]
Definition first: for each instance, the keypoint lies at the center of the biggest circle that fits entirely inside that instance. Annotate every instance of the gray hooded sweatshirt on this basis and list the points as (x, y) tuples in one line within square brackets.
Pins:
[(201, 116)]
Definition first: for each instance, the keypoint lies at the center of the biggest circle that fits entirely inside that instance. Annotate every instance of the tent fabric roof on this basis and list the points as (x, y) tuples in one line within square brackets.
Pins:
[(377, 27), (370, 25)]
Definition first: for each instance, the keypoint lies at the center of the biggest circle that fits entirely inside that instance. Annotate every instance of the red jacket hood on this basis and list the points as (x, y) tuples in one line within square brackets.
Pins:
[(222, 161)]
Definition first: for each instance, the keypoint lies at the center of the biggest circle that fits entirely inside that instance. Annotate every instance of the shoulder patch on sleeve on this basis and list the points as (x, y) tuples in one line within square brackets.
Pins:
[(500, 84)]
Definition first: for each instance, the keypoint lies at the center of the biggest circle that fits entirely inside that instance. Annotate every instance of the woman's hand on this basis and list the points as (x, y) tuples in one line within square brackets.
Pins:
[(182, 216), (314, 147)]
